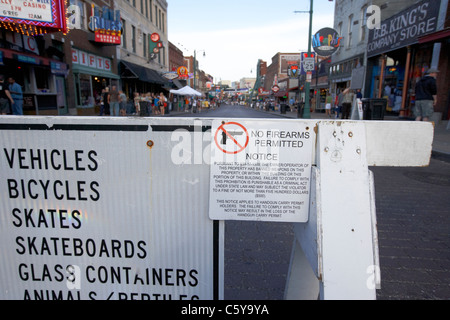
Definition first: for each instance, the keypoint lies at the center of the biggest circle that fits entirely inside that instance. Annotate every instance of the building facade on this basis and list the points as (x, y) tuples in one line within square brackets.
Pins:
[(412, 38), (350, 21), (144, 51)]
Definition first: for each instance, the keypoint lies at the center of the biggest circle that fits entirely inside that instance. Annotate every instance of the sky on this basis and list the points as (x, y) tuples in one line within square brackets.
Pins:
[(234, 34)]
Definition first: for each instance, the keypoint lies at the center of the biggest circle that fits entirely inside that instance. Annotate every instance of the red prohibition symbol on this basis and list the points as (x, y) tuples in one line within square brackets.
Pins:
[(228, 134)]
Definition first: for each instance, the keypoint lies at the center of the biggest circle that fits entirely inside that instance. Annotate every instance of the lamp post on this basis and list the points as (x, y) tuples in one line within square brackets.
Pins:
[(195, 64), (306, 109)]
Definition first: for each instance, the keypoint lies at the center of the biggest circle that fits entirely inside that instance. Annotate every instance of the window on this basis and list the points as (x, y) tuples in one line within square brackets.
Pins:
[(349, 31), (133, 39), (362, 33), (124, 34), (163, 23), (146, 8), (151, 10), (144, 43), (159, 19)]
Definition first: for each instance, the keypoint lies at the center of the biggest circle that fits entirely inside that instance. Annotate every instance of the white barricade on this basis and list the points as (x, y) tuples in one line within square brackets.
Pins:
[(134, 208)]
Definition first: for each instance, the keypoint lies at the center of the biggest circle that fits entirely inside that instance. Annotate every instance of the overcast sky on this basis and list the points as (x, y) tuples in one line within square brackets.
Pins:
[(234, 34)]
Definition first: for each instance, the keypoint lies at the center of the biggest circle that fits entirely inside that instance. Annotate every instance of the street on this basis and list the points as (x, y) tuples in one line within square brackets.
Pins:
[(413, 229)]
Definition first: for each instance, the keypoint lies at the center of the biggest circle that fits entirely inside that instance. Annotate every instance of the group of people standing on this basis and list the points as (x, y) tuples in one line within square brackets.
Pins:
[(342, 103), (114, 102), (145, 102), (11, 97)]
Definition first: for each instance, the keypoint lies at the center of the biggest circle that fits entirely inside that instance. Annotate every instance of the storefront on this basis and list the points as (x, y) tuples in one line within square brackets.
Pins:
[(396, 59), (136, 78), (92, 73), (42, 80)]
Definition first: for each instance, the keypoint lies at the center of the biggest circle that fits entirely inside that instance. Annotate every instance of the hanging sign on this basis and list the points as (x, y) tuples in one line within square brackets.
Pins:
[(260, 170), (106, 25), (183, 72), (326, 42), (293, 71)]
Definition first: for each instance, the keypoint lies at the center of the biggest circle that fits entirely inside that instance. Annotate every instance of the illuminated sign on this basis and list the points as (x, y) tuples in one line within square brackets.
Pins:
[(32, 17), (106, 25), (183, 72)]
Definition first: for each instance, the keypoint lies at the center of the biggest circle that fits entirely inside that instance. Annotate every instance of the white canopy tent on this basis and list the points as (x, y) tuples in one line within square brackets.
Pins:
[(186, 91)]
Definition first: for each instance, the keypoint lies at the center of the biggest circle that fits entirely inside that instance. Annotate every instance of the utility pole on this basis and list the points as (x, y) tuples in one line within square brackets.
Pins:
[(306, 109)]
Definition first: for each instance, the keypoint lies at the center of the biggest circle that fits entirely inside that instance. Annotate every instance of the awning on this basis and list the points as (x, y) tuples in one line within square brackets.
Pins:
[(130, 70), (435, 36), (281, 94), (76, 68)]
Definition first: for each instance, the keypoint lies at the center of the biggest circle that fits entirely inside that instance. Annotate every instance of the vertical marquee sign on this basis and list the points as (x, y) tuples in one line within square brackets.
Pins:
[(33, 17), (106, 25)]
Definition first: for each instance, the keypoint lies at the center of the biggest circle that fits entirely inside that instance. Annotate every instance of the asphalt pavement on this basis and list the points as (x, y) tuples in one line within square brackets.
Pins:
[(413, 207)]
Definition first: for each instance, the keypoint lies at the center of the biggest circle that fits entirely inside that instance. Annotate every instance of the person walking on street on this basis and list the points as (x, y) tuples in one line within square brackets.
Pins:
[(426, 91), (328, 101), (16, 93), (194, 105), (122, 103), (106, 108), (137, 103), (114, 101), (162, 103), (339, 101), (347, 103), (4, 97)]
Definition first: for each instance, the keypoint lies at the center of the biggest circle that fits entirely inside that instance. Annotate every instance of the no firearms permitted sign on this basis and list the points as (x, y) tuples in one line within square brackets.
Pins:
[(260, 170)]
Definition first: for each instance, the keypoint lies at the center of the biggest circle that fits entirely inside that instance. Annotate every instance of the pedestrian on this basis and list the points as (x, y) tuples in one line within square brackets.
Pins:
[(186, 104), (162, 103), (347, 103), (194, 105), (155, 105), (105, 98), (359, 94), (340, 101), (426, 91), (137, 104), (328, 101), (122, 103), (15, 90), (114, 101), (5, 95)]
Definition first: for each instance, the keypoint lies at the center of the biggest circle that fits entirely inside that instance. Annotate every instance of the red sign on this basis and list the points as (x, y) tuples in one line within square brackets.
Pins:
[(275, 88), (183, 72), (106, 37), (237, 144), (155, 37)]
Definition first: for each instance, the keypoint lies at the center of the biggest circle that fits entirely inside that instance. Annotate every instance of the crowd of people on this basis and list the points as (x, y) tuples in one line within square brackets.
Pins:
[(115, 103)]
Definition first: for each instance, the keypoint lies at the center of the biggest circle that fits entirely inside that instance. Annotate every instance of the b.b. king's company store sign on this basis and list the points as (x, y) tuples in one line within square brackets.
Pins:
[(405, 28)]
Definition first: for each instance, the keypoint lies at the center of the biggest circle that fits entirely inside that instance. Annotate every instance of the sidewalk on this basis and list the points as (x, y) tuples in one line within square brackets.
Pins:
[(441, 141)]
